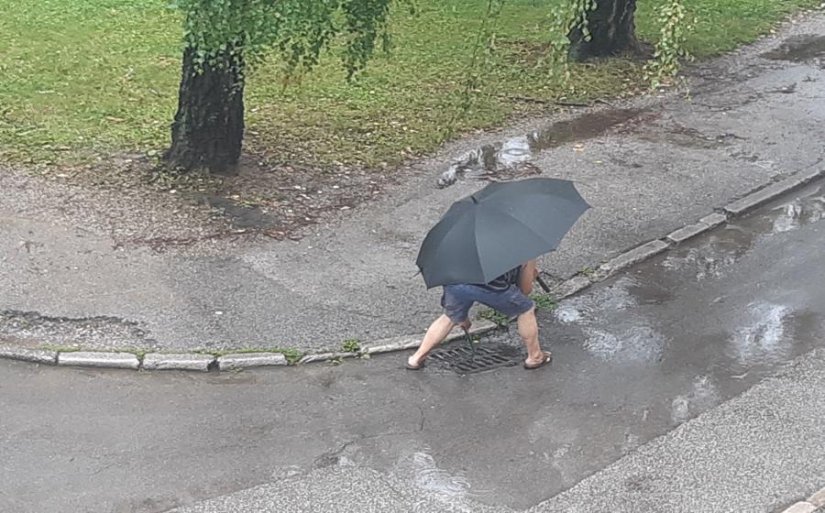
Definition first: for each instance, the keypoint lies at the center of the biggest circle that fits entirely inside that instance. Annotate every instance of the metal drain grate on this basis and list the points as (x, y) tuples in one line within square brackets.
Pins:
[(463, 360)]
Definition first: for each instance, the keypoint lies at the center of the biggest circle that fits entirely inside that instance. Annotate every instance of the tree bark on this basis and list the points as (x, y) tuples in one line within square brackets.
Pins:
[(612, 28), (208, 128)]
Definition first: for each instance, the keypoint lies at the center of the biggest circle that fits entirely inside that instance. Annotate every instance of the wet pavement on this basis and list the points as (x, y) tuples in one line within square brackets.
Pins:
[(635, 357), (85, 267)]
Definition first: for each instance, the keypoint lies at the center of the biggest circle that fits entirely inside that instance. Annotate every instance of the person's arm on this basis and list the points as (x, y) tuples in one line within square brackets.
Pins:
[(528, 274)]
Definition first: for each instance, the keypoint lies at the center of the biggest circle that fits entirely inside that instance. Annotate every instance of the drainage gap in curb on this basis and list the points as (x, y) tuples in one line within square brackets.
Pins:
[(464, 360)]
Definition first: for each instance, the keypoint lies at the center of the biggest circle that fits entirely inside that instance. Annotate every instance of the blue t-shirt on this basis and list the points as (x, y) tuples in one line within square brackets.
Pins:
[(504, 281)]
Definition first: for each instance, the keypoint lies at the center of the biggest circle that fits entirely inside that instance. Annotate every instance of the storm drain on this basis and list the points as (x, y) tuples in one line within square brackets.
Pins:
[(464, 360)]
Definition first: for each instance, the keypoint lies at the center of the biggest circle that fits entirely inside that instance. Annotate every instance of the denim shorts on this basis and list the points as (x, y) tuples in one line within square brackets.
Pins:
[(458, 299)]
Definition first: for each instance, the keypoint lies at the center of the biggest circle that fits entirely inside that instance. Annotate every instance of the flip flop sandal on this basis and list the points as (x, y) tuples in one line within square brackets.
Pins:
[(414, 367), (547, 359)]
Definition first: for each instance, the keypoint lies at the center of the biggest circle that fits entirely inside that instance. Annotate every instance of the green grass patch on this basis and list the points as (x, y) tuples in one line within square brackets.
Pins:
[(544, 301), (351, 345), (83, 79), (494, 316)]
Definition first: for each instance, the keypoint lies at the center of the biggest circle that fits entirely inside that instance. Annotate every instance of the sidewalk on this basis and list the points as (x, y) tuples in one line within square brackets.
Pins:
[(762, 451), (647, 167)]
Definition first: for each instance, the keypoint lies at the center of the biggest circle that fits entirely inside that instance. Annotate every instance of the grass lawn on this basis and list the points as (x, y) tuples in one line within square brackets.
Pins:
[(85, 78)]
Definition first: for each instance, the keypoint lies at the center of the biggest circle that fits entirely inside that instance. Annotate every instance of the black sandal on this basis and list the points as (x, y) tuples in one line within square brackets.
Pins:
[(414, 367)]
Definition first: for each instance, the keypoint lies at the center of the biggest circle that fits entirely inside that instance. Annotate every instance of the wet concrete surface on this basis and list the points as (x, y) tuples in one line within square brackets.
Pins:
[(648, 166), (635, 357), (494, 160), (799, 49)]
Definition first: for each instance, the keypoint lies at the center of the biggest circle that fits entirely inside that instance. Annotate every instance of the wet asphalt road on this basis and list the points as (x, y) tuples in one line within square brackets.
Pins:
[(635, 357)]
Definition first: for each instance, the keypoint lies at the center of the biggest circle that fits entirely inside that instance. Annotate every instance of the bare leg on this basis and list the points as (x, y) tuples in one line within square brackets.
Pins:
[(528, 328), (437, 332)]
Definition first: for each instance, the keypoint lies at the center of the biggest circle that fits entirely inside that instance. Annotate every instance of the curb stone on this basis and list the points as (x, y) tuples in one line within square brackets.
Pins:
[(95, 359), (324, 357), (405, 342), (29, 355), (758, 198), (634, 256), (246, 360), (815, 503), (479, 327), (183, 361), (572, 286), (818, 499), (389, 345), (568, 288), (801, 507), (705, 224)]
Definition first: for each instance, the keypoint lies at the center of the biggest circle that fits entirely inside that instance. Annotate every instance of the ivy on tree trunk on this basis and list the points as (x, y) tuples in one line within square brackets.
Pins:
[(207, 132), (612, 29)]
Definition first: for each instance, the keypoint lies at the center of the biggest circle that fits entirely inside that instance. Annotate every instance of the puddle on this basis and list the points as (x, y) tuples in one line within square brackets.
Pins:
[(764, 337), (725, 247), (509, 155), (799, 49), (639, 343), (612, 330), (712, 260), (686, 137), (581, 128), (703, 395), (421, 470), (798, 213), (514, 151), (615, 297)]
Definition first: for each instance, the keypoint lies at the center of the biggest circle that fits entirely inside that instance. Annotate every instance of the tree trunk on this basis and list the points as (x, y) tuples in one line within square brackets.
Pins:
[(612, 28), (209, 124)]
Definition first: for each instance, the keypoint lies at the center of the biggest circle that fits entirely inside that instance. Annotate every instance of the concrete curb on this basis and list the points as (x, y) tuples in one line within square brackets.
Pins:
[(402, 343), (238, 361), (28, 355), (690, 231), (567, 288), (818, 499), (632, 257), (185, 361), (801, 507), (99, 359), (814, 503), (325, 357), (758, 198)]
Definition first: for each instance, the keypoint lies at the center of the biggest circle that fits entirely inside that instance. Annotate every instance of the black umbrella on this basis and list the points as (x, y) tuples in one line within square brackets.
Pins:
[(494, 230)]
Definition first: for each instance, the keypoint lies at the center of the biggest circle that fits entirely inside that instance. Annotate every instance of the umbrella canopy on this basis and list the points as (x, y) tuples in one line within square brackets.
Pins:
[(494, 230)]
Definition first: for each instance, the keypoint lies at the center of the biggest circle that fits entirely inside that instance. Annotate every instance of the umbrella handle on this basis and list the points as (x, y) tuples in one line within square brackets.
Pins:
[(470, 341), (543, 285)]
